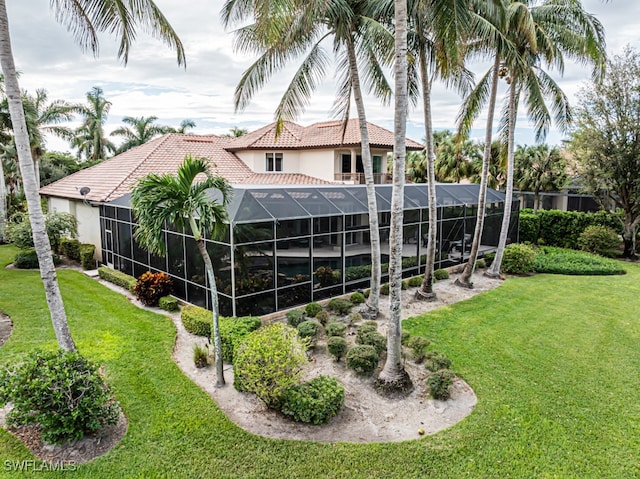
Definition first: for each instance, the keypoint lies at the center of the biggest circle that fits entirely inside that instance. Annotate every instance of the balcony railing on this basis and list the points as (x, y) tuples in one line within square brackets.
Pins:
[(358, 178)]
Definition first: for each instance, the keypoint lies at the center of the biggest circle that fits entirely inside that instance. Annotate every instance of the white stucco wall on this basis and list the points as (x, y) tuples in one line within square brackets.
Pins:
[(88, 220)]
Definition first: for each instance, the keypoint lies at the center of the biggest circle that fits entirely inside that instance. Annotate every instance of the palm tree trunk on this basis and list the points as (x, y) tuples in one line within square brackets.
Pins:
[(494, 270), (536, 201), (373, 302), (36, 217), (465, 278), (3, 204), (217, 343), (425, 292), (393, 377)]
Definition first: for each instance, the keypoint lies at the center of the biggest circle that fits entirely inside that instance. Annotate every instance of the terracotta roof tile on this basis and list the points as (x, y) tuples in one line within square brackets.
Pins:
[(284, 179)]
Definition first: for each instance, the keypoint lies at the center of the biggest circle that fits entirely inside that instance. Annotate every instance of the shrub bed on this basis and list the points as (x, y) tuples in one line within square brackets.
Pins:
[(28, 259), (553, 260), (150, 287), (233, 332), (168, 303), (363, 359), (196, 320)]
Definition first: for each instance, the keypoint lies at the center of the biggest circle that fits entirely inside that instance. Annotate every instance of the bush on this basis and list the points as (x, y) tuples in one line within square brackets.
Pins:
[(323, 317), (357, 298), (200, 356), (440, 274), (363, 359), (518, 259), (197, 320), (375, 339), (87, 256), (337, 347), (565, 261), (57, 224), (168, 303), (150, 287), (529, 227), (309, 331), (312, 309), (117, 277), (327, 276), (340, 306), (269, 362), (295, 317), (439, 383), (59, 390), (28, 259), (355, 317), (233, 332), (336, 329), (70, 248), (384, 289), (436, 361), (600, 240), (481, 264), (366, 327), (315, 401), (404, 285), (416, 281), (488, 258), (404, 336), (418, 346)]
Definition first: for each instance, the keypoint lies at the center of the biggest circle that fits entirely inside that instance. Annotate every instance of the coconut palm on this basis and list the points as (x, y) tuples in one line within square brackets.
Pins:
[(90, 138), (562, 28), (455, 159), (138, 132), (84, 18), (180, 200), (393, 376), (497, 167), (282, 31)]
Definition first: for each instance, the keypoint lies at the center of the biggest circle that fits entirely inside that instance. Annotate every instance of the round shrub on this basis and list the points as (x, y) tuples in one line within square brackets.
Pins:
[(340, 306), (337, 347), (168, 303), (488, 258), (601, 240), (269, 362), (363, 359), (434, 361), (309, 331), (404, 336), (354, 317), (439, 383), (416, 281), (312, 309), (365, 328), (233, 331), (196, 320), (59, 390), (357, 298), (518, 259), (418, 346), (481, 264), (323, 317), (440, 274), (153, 286), (315, 401), (336, 329), (373, 338), (295, 317), (384, 289)]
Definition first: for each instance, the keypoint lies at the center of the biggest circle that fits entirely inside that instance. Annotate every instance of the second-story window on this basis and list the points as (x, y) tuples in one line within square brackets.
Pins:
[(274, 162)]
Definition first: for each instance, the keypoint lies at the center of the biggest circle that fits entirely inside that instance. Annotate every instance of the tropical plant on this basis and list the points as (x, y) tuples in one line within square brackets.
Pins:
[(604, 142), (539, 168), (138, 131), (90, 138), (235, 132), (293, 27), (182, 201)]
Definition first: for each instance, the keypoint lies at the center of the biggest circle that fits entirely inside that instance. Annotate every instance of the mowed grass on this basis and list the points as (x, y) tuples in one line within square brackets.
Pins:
[(554, 360)]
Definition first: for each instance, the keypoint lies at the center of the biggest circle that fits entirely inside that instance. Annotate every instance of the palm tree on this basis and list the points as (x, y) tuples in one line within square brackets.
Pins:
[(160, 200), (285, 30), (182, 129), (85, 21), (497, 167), (455, 159), (90, 138), (139, 131), (561, 28), (236, 132), (539, 168), (393, 376)]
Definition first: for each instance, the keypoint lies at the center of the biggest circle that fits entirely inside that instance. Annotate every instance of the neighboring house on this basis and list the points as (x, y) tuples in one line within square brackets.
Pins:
[(318, 154)]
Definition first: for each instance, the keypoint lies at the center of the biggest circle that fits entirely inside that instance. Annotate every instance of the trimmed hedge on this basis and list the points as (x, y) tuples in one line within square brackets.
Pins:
[(315, 401), (28, 259), (566, 261), (117, 277), (196, 320), (70, 248), (168, 303), (87, 256)]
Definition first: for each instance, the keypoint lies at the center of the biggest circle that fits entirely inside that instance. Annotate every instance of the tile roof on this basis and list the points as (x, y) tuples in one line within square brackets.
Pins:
[(319, 135), (118, 175)]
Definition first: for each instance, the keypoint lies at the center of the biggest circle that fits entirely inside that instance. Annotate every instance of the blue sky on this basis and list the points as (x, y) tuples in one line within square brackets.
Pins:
[(153, 84)]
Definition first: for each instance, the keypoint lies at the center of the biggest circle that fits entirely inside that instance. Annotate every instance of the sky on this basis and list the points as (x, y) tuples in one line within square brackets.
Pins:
[(152, 83)]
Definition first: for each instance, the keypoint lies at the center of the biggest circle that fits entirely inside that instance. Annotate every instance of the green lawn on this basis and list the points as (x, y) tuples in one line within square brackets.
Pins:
[(554, 360)]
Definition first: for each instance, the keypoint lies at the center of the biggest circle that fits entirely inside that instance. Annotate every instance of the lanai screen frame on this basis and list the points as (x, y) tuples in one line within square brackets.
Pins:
[(280, 236)]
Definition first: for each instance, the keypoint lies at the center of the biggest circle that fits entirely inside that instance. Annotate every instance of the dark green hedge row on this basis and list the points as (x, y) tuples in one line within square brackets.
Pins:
[(561, 228)]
